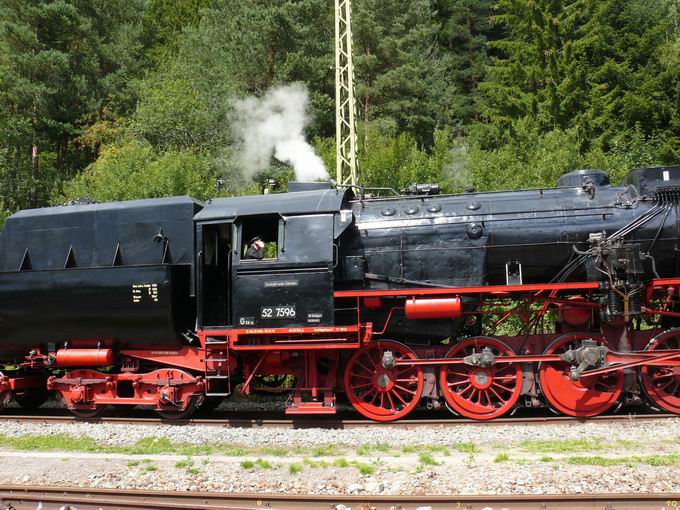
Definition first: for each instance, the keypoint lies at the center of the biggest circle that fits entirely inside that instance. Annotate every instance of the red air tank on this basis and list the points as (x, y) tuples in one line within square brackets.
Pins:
[(84, 357), (435, 308)]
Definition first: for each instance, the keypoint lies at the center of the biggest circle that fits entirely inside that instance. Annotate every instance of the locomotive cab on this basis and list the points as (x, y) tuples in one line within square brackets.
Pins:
[(292, 285)]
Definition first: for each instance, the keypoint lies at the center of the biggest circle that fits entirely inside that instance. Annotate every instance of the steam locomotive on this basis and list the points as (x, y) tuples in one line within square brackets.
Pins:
[(483, 302)]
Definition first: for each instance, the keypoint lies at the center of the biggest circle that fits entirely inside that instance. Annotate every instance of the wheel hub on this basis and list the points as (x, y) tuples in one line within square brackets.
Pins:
[(586, 396), (379, 388), (480, 388), (481, 379), (383, 381)]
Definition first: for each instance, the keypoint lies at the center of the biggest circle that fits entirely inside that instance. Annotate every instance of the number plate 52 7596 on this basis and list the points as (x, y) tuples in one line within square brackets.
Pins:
[(278, 312)]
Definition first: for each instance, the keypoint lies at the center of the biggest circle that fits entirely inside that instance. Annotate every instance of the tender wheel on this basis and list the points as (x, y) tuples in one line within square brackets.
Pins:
[(379, 393), (178, 415), (31, 399), (584, 398), (662, 384), (481, 393), (88, 414)]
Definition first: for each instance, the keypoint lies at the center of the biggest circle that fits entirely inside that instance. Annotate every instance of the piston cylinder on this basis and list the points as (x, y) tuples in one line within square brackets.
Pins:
[(83, 358), (436, 308)]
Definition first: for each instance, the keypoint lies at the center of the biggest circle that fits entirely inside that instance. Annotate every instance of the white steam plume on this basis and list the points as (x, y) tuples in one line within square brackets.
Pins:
[(274, 125)]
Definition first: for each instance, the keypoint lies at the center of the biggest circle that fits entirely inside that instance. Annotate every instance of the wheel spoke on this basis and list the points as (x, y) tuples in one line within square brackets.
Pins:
[(365, 368), (389, 397), (396, 394), (371, 392), (663, 388), (500, 399), (361, 376), (357, 386), (378, 403), (462, 374), (505, 388), (370, 357), (405, 389), (465, 390), (460, 381), (505, 378)]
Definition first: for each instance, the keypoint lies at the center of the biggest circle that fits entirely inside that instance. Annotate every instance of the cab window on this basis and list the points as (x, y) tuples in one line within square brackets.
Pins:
[(264, 228)]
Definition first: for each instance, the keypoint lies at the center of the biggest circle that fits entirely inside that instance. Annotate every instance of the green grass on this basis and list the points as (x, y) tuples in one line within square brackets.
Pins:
[(154, 446), (259, 463), (50, 442), (132, 463), (632, 460), (329, 450), (427, 459), (368, 449), (469, 448), (271, 451), (502, 457), (188, 466), (146, 446), (263, 464), (546, 458), (294, 468), (323, 464), (341, 463), (575, 445), (364, 469), (427, 448)]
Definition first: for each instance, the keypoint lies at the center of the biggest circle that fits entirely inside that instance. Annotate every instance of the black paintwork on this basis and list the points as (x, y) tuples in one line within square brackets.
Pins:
[(69, 273), (303, 202), (118, 272)]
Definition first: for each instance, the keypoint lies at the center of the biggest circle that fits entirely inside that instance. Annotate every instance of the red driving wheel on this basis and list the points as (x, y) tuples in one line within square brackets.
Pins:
[(662, 384), (589, 396), (379, 393), (481, 393)]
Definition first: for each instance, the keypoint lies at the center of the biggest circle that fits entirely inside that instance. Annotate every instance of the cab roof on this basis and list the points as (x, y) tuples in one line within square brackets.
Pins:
[(295, 203)]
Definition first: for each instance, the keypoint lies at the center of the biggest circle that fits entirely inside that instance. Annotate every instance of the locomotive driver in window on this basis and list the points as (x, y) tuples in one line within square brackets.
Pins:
[(255, 249)]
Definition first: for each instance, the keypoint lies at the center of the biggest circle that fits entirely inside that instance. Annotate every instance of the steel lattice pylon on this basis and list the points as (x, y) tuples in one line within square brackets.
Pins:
[(345, 102)]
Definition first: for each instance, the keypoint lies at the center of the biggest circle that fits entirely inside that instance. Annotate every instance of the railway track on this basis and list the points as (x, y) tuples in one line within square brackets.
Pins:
[(47, 498), (246, 420)]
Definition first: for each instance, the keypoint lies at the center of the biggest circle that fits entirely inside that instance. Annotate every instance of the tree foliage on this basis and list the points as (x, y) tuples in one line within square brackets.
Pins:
[(63, 64), (122, 99)]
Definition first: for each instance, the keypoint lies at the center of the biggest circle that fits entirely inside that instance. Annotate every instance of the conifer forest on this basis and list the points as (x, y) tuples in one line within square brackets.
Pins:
[(123, 99)]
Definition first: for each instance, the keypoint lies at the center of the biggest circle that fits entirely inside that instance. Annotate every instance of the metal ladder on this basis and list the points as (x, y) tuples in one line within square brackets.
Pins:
[(215, 366)]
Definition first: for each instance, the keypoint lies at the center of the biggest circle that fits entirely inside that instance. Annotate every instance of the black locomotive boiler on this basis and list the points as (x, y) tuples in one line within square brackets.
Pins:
[(564, 297)]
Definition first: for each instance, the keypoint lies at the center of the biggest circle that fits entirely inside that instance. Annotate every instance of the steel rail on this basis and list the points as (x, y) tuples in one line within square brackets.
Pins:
[(20, 497), (325, 422)]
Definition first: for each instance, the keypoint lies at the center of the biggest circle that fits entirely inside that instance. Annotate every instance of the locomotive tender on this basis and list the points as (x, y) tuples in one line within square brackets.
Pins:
[(564, 297)]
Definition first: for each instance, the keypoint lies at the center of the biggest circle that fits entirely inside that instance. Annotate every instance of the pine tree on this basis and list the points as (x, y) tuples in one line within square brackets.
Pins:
[(596, 67), (463, 32), (61, 64), (533, 73), (395, 58), (624, 44)]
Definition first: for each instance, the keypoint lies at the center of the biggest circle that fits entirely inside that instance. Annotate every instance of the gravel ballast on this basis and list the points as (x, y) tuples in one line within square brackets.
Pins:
[(620, 457)]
